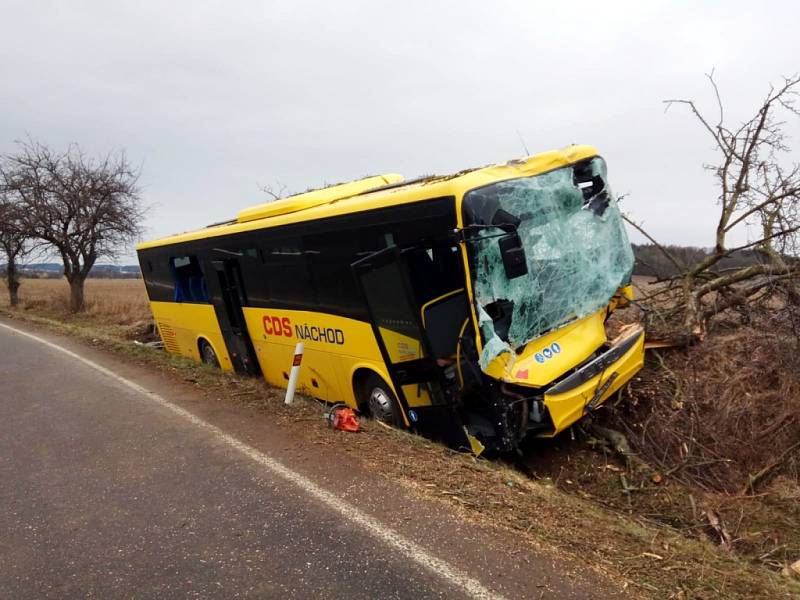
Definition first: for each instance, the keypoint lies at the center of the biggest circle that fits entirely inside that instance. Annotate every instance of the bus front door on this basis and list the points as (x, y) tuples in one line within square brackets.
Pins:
[(228, 306), (426, 390)]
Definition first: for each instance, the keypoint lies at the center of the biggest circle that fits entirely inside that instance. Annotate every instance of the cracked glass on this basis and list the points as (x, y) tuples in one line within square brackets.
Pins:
[(576, 253)]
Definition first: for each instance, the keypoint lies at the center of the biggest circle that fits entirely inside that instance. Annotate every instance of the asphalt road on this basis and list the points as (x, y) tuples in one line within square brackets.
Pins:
[(108, 494)]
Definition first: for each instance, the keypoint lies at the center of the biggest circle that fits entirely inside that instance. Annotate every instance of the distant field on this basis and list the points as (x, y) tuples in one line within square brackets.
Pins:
[(114, 301)]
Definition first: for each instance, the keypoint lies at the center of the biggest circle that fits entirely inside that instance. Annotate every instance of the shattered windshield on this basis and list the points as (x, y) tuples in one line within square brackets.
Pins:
[(572, 252)]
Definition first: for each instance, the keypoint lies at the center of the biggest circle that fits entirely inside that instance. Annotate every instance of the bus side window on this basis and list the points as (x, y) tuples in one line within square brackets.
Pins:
[(190, 283), (157, 275), (286, 274), (433, 271), (448, 265), (329, 258)]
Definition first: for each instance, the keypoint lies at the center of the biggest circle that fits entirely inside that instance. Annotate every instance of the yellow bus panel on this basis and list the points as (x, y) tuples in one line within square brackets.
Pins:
[(182, 325)]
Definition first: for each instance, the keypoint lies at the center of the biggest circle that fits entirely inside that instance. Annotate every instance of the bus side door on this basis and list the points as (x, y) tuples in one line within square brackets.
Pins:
[(228, 303), (394, 316)]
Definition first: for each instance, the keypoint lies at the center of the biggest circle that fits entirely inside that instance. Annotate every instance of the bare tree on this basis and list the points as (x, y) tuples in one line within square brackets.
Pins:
[(275, 192), (759, 187), (14, 243), (85, 208)]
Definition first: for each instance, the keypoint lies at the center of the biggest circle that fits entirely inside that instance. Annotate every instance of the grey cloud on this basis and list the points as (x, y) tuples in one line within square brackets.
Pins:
[(214, 98)]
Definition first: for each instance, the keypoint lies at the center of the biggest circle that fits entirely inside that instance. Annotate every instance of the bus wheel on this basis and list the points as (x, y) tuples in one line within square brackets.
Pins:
[(207, 354), (381, 401)]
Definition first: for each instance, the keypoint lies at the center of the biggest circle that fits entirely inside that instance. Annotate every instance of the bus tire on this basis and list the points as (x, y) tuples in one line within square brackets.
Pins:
[(381, 401), (207, 354)]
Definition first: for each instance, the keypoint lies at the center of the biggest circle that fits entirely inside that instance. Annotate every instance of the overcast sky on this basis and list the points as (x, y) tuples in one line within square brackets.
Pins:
[(215, 98)]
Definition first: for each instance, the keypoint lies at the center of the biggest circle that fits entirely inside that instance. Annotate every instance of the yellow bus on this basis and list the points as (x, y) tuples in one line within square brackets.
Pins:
[(470, 308)]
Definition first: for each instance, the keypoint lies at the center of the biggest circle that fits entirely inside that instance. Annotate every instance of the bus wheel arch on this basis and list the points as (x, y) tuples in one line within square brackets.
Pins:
[(208, 355), (376, 397)]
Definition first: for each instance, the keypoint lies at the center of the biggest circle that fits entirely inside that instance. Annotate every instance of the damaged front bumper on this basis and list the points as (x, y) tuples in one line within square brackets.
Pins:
[(590, 385)]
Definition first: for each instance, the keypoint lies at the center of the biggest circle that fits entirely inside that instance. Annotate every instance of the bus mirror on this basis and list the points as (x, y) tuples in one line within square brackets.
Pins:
[(513, 255)]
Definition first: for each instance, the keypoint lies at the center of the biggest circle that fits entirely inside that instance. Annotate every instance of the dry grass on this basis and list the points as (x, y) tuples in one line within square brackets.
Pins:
[(118, 302), (722, 412)]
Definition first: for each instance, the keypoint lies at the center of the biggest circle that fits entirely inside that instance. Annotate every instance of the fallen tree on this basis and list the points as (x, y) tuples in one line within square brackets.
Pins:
[(759, 187)]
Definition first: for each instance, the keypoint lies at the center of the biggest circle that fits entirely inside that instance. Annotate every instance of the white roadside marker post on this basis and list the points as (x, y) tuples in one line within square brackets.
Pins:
[(295, 373)]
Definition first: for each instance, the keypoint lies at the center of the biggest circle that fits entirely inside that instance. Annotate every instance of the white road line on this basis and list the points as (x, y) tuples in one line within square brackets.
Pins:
[(471, 586)]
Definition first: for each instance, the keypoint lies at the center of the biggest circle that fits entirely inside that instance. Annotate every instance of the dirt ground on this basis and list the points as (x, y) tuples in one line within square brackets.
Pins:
[(654, 531)]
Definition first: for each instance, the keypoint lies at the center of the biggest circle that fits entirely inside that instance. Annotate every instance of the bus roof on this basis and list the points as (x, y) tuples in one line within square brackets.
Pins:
[(377, 192)]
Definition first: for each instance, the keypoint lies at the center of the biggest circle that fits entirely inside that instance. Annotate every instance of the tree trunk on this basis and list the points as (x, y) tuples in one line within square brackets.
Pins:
[(12, 279), (693, 322), (76, 293)]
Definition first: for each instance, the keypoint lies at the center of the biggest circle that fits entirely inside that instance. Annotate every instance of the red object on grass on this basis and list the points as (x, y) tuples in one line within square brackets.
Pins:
[(343, 418)]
